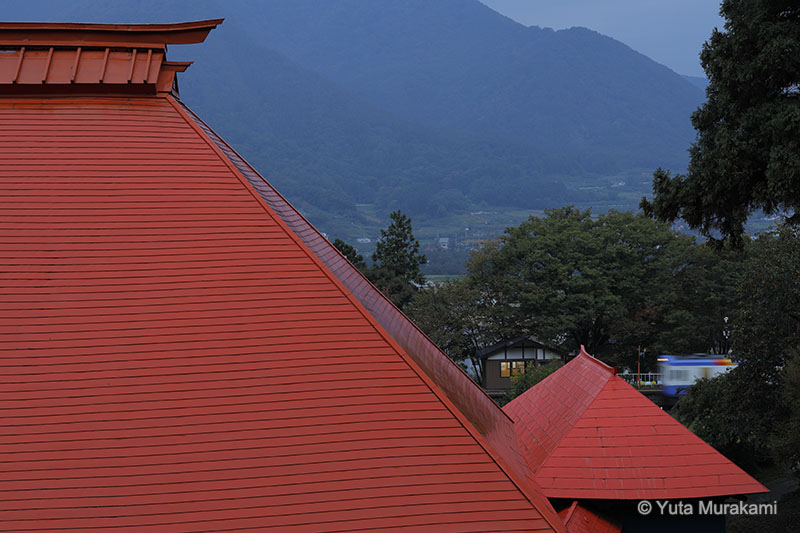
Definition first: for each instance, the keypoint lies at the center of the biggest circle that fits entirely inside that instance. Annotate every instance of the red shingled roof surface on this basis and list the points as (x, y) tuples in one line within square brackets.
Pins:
[(579, 519), (176, 357), (590, 435), (172, 353)]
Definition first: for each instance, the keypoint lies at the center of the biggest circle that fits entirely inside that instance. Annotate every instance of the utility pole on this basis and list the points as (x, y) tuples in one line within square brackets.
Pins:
[(639, 366)]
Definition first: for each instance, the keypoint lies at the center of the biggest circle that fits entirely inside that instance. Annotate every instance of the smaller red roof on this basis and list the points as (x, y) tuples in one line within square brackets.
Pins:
[(588, 434), (579, 519)]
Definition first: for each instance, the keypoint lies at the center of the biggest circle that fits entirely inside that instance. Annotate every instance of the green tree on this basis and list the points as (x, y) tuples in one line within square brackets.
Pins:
[(351, 254), (396, 262), (766, 324), (730, 414), (572, 280), (397, 251), (747, 153), (786, 440), (697, 300), (451, 314), (750, 414), (533, 374)]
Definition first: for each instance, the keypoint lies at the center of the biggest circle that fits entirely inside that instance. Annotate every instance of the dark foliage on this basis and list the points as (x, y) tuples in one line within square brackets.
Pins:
[(747, 153), (611, 283), (533, 374), (751, 414), (450, 314), (573, 280)]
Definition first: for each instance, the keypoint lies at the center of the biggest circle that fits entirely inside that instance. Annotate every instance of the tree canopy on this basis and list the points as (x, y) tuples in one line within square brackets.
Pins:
[(611, 283), (452, 315), (571, 279), (747, 153), (751, 413), (533, 374)]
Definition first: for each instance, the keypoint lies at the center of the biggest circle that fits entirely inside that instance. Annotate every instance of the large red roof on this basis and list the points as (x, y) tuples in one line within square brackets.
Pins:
[(178, 355), (172, 352), (590, 435)]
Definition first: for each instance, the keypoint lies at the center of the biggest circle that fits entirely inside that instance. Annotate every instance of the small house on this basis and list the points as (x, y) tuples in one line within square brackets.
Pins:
[(509, 358)]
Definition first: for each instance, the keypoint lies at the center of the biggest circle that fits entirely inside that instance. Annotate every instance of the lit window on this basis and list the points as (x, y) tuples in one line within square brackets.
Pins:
[(509, 368)]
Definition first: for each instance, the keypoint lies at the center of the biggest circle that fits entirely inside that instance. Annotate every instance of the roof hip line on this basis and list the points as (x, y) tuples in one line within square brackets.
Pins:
[(547, 513)]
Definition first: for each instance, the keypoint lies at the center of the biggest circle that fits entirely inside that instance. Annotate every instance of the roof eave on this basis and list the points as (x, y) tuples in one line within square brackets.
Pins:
[(104, 35)]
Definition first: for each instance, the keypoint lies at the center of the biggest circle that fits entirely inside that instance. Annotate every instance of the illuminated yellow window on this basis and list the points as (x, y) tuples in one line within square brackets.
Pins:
[(509, 368)]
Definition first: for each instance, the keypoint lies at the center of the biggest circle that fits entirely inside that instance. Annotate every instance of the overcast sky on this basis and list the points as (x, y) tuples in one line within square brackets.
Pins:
[(670, 32)]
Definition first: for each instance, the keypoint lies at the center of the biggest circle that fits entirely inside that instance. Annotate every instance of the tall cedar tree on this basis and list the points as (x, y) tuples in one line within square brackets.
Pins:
[(747, 153), (396, 261)]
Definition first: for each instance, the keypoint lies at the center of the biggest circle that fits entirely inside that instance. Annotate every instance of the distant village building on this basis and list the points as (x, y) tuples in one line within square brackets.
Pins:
[(444, 243), (509, 358)]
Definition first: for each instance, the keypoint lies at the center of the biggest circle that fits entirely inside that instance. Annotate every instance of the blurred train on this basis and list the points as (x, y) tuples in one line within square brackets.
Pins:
[(678, 372)]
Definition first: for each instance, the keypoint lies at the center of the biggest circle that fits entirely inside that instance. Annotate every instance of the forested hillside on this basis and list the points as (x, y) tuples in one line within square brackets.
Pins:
[(355, 108)]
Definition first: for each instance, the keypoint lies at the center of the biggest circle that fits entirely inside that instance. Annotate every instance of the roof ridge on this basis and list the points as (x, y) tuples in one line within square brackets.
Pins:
[(570, 511), (333, 248), (537, 500), (518, 405), (586, 355)]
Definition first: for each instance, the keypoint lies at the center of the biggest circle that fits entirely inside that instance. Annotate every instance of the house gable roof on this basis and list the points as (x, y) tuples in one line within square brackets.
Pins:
[(589, 435), (520, 341)]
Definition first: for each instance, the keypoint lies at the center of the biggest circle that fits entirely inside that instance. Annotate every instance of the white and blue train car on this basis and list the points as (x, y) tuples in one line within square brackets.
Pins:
[(679, 372)]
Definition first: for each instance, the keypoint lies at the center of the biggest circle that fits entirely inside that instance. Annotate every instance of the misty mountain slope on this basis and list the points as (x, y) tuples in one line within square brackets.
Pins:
[(458, 64), (325, 148), (321, 144), (433, 107)]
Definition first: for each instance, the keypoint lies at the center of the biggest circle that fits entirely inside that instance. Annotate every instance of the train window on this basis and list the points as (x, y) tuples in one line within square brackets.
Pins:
[(678, 375)]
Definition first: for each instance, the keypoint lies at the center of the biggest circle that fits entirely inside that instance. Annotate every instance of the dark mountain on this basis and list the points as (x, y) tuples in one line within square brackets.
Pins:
[(460, 65), (433, 107)]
